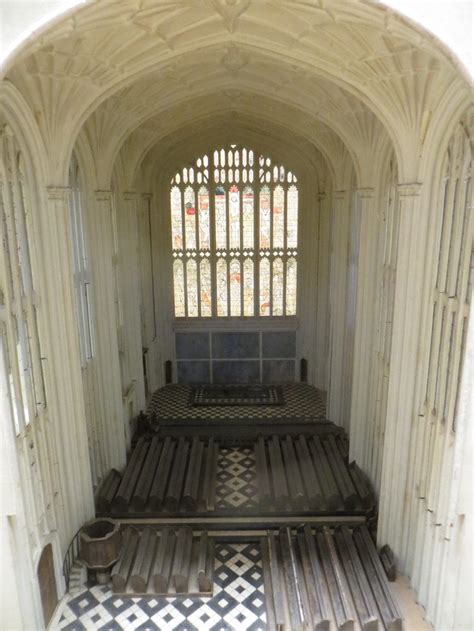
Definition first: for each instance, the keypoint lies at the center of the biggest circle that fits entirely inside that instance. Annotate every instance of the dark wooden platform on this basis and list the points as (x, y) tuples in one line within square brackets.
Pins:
[(164, 562), (326, 579), (301, 474)]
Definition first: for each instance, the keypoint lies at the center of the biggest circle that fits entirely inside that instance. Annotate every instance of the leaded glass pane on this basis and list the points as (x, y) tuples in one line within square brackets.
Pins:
[(264, 218), (190, 218), (234, 217), (264, 287), (278, 217), (176, 219), (292, 218), (248, 288), (277, 297), (291, 287), (206, 289), (191, 284), (248, 218), (235, 286), (178, 278), (221, 218), (204, 232), (221, 287)]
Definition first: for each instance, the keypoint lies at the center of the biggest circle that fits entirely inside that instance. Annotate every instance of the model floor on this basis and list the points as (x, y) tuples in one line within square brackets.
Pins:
[(238, 603)]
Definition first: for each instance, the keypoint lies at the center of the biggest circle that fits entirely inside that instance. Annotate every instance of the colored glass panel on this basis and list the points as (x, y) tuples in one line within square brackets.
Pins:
[(248, 218), (206, 289), (192, 288), (248, 288), (190, 218), (264, 217), (176, 219), (220, 219), (278, 217), (221, 287), (292, 218), (204, 228), (234, 217), (178, 278), (235, 288), (264, 287), (277, 280), (291, 287)]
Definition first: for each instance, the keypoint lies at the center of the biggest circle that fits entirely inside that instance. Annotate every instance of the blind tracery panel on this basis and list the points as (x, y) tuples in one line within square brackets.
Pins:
[(234, 232)]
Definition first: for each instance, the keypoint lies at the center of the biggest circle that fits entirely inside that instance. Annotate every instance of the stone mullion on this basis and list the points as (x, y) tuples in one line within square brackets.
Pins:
[(130, 261), (361, 415), (65, 362), (322, 306), (107, 356), (404, 366), (337, 298)]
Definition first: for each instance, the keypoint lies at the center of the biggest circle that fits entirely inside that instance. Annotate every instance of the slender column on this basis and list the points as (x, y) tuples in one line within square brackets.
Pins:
[(404, 364), (64, 365), (322, 298), (107, 356), (337, 303), (361, 418), (130, 273), (308, 283)]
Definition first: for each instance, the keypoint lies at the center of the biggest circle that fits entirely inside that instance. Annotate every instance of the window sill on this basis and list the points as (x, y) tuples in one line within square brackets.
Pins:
[(264, 323)]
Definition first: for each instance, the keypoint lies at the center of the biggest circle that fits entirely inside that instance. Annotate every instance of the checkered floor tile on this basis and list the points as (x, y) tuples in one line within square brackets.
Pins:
[(236, 478), (170, 406), (238, 603)]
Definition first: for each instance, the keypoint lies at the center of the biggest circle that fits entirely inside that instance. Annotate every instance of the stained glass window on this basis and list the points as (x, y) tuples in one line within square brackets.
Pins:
[(234, 237)]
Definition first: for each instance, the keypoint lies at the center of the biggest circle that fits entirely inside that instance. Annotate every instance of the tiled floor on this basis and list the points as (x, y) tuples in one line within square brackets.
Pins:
[(170, 406), (236, 478), (238, 603)]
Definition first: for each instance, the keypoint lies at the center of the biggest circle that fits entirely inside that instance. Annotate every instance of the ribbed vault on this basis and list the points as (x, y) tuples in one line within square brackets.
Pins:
[(353, 66)]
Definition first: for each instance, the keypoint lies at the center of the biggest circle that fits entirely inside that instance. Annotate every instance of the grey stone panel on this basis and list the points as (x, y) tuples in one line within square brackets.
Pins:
[(279, 344), (192, 345), (194, 372), (278, 370), (236, 371), (235, 345)]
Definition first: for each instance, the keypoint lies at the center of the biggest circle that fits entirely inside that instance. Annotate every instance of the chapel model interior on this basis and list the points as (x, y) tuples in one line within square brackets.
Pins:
[(236, 348)]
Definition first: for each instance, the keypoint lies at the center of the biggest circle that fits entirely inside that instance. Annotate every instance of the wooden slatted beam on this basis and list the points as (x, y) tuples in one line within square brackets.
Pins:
[(142, 566), (163, 561), (140, 496), (159, 484)]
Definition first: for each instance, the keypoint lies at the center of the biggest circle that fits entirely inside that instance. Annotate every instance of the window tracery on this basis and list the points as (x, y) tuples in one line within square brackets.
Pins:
[(20, 346), (234, 234)]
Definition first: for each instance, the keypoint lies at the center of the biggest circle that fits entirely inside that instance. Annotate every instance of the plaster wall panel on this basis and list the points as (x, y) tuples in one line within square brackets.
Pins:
[(192, 345), (235, 345), (244, 371), (278, 370), (193, 371), (279, 344)]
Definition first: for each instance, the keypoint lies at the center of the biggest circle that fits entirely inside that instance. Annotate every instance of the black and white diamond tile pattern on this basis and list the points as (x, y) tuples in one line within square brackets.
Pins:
[(238, 603), (236, 478)]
